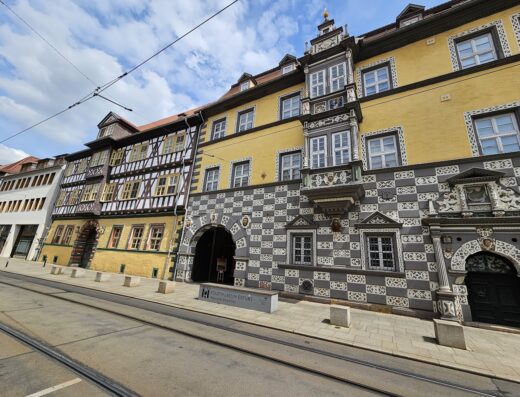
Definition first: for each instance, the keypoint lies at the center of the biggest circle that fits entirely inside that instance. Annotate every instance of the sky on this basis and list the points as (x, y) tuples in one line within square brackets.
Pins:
[(103, 39)]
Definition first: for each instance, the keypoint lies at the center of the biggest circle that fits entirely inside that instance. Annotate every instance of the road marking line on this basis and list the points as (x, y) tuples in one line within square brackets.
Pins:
[(54, 388)]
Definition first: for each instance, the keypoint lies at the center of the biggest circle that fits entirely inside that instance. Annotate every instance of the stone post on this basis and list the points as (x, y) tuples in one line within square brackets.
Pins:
[(445, 296), (354, 133)]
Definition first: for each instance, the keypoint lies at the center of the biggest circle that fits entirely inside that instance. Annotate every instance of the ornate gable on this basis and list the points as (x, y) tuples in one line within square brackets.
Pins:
[(378, 220), (110, 118), (301, 222), (475, 175)]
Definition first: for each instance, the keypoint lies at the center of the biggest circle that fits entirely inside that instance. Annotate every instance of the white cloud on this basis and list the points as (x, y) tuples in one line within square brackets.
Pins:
[(10, 155)]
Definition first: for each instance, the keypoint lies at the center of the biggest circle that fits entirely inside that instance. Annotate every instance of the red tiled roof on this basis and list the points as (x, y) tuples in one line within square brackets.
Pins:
[(169, 119), (15, 167)]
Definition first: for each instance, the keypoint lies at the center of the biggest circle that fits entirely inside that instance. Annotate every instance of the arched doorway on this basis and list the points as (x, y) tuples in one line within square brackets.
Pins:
[(493, 289), (215, 249), (85, 245)]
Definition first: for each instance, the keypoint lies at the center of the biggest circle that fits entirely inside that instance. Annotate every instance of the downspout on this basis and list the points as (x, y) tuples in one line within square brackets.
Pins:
[(195, 149)]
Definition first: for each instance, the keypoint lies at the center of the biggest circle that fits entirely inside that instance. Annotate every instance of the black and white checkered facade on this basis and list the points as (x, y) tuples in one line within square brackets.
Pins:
[(395, 202)]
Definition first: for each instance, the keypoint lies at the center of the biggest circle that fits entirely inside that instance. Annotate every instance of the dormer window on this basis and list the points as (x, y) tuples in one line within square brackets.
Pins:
[(106, 131), (244, 86), (409, 21), (324, 31), (288, 68)]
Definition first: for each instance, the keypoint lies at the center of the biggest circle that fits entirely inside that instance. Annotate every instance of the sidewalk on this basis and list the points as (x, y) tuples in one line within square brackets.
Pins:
[(489, 353)]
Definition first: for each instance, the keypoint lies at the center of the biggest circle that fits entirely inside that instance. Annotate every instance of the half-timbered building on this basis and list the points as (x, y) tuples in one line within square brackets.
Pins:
[(123, 198)]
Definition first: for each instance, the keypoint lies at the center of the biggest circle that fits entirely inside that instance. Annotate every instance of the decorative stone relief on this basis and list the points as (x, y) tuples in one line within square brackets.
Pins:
[(515, 21), (458, 261), (327, 121)]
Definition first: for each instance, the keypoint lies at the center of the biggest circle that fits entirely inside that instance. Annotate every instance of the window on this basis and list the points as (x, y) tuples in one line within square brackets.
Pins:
[(244, 86), (290, 165), (211, 180), (166, 185), (115, 236), (288, 68), (219, 129), (317, 84), (498, 134), (61, 199), (245, 120), (136, 236), (382, 152), (240, 174), (109, 192), (139, 152), (476, 51), (71, 169), (106, 131), (319, 152), (302, 249), (90, 192), (337, 77), (67, 235), (98, 158), (117, 157), (376, 80), (73, 198), (168, 144), (82, 167), (341, 147), (155, 237), (179, 143), (409, 21), (290, 106), (380, 253), (57, 234), (130, 190)]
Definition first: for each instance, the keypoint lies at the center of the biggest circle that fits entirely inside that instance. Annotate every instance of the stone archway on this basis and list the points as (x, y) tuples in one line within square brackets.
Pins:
[(509, 251), (85, 244)]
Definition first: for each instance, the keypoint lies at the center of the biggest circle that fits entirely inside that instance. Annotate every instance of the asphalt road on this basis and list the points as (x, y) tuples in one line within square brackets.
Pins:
[(157, 350)]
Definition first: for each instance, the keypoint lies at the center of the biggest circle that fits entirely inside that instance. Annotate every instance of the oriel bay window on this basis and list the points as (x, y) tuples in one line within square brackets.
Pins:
[(136, 236), (382, 152), (240, 177), (211, 179), (155, 237), (338, 77), (245, 120), (290, 165), (341, 148), (317, 83), (318, 151), (498, 134), (290, 106)]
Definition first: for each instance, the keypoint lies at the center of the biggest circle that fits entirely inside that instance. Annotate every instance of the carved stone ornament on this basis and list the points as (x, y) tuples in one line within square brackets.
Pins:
[(188, 222), (447, 308), (245, 221), (450, 202), (335, 225), (484, 231), (328, 121), (213, 217), (486, 243), (448, 253)]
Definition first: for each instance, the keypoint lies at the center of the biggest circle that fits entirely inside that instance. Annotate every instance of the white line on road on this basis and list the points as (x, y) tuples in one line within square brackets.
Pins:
[(54, 388)]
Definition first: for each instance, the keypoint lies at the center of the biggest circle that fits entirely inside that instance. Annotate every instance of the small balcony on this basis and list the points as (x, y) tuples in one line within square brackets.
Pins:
[(334, 189)]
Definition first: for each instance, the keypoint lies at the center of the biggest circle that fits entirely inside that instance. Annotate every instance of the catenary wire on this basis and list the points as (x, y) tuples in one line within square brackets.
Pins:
[(107, 85)]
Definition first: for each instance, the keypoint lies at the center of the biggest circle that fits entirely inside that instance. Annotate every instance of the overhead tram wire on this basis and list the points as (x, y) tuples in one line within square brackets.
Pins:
[(107, 85)]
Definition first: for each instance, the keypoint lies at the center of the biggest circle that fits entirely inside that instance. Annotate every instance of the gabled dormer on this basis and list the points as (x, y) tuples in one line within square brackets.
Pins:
[(412, 13), (328, 36), (288, 63), (246, 81), (115, 126)]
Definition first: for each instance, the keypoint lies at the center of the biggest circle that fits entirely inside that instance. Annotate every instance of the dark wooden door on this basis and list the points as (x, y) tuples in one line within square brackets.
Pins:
[(493, 290)]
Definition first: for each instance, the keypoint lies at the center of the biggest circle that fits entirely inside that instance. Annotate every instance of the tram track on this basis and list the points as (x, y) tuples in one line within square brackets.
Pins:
[(394, 375)]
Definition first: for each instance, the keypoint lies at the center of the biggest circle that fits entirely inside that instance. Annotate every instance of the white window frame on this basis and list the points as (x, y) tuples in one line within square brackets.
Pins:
[(213, 180), (318, 84), (496, 135), (382, 154), (243, 178), (293, 110), (340, 149), (302, 237), (475, 54), (288, 68), (244, 86), (294, 172), (334, 80), (376, 79), (219, 128), (314, 153), (247, 122), (380, 252)]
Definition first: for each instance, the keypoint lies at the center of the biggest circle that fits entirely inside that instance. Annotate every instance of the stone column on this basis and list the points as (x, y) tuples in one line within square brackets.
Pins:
[(445, 296), (354, 134)]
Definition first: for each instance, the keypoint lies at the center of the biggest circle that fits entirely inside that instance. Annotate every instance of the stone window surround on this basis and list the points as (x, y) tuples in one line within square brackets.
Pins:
[(401, 149), (244, 110), (499, 37), (470, 125), (515, 21), (367, 231), (286, 96), (279, 154), (373, 65), (204, 172), (214, 123), (296, 231), (232, 170), (385, 65)]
